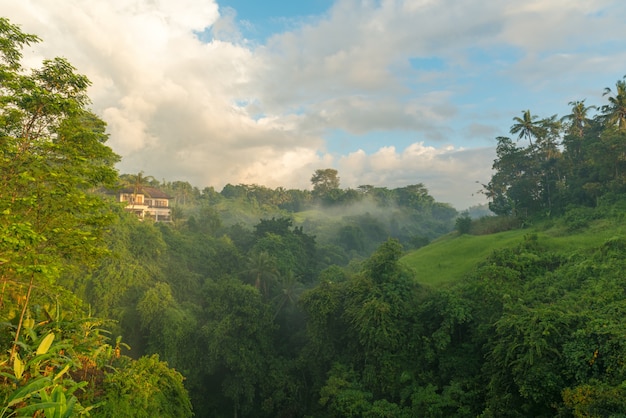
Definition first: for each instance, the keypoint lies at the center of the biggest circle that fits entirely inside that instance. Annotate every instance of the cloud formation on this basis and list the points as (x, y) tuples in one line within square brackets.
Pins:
[(188, 97)]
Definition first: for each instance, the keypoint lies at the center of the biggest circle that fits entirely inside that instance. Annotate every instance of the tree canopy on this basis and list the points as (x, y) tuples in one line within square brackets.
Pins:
[(576, 159), (53, 159)]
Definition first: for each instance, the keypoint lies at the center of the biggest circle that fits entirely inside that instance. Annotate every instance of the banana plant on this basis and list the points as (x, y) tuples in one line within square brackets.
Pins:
[(38, 386)]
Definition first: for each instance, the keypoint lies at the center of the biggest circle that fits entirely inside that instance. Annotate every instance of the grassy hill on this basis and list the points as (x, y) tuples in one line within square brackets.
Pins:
[(451, 257)]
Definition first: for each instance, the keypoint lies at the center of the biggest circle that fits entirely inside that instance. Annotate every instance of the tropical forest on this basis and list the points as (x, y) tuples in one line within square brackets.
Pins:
[(252, 301)]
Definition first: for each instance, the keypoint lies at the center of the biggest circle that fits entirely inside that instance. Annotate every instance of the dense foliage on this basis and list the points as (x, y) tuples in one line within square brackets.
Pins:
[(574, 160), (55, 361), (307, 313), (259, 302)]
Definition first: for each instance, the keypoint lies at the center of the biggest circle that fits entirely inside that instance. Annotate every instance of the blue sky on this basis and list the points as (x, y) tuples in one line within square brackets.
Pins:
[(487, 98), (274, 16), (389, 92)]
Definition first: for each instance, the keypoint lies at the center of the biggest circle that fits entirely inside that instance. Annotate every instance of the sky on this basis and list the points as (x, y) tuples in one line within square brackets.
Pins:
[(388, 92)]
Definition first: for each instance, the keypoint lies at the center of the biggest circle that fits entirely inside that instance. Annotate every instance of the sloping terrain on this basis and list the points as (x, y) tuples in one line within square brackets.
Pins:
[(452, 256)]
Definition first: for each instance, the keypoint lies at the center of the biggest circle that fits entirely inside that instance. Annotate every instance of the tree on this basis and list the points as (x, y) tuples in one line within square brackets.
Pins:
[(549, 156), (289, 292), (275, 226), (550, 131), (183, 192), (379, 309), (262, 269), (510, 188), (237, 335), (615, 112), (52, 157), (291, 250), (324, 181), (234, 192), (463, 223), (137, 181), (579, 118), (13, 40), (155, 389), (414, 196), (295, 200), (53, 160), (526, 127), (208, 221), (577, 123)]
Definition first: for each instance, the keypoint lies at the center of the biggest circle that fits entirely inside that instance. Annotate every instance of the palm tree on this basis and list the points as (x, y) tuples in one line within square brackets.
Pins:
[(290, 290), (550, 129), (578, 122), (183, 192), (526, 127), (262, 269), (615, 112), (137, 183), (578, 118)]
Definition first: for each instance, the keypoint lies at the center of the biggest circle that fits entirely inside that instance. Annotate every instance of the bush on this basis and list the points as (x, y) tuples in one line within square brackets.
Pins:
[(146, 388), (493, 224), (577, 218), (463, 224)]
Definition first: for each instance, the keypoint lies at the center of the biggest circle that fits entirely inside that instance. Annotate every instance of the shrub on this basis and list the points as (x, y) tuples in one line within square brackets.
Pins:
[(577, 218), (493, 224), (463, 224)]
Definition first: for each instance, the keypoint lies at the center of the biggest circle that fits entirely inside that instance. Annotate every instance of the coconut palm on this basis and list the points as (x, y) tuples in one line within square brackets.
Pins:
[(290, 290), (527, 126), (136, 182), (550, 129), (615, 112), (578, 119), (262, 269)]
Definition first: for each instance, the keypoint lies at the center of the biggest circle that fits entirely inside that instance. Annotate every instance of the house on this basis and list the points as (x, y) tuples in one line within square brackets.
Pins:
[(147, 203)]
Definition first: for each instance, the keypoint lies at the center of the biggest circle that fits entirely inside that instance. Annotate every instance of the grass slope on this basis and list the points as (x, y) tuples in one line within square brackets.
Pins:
[(452, 257)]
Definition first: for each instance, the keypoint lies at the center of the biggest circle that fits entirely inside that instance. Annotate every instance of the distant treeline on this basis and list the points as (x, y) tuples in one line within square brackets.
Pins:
[(354, 221)]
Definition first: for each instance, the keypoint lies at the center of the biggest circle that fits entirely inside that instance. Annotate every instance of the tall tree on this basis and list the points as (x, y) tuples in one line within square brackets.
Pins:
[(527, 126), (514, 187), (237, 333), (615, 111), (414, 196), (324, 181), (577, 123), (579, 118), (550, 132), (53, 159), (53, 156), (262, 270), (137, 181)]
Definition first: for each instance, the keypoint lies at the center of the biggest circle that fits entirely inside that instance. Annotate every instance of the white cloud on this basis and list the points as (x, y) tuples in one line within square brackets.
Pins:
[(449, 173), (187, 97)]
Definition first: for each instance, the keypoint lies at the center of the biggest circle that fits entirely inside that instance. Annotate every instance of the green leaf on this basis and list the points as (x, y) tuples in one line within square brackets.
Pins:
[(26, 391), (62, 372), (29, 323), (18, 367), (32, 409), (45, 344)]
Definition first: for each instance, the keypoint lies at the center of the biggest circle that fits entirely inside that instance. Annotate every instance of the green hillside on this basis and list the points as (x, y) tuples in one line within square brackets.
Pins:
[(453, 256), (449, 258)]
